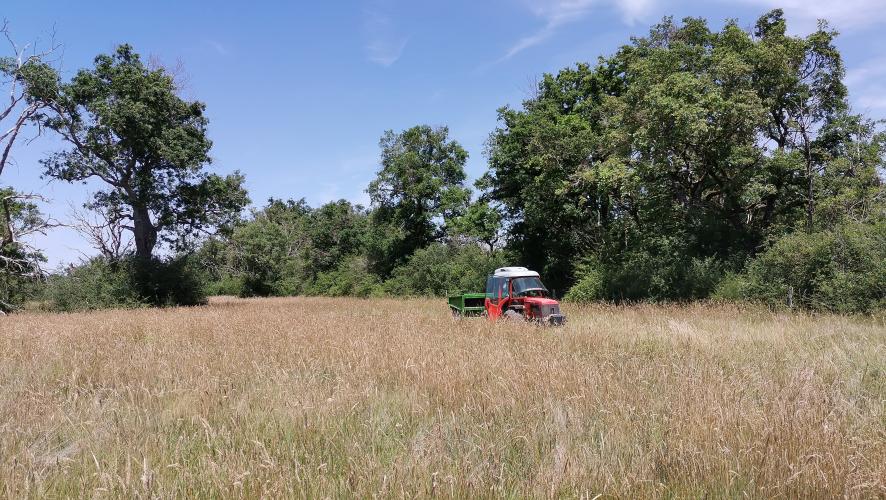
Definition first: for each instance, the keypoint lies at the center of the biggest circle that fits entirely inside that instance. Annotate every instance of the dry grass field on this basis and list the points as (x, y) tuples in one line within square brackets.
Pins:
[(345, 397)]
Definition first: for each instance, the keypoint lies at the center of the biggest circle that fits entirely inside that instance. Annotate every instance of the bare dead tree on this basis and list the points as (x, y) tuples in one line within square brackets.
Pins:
[(178, 72), (27, 83), (104, 229), (27, 77)]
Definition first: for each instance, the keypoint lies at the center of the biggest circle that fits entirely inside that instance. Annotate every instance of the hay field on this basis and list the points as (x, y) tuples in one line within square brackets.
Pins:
[(312, 397)]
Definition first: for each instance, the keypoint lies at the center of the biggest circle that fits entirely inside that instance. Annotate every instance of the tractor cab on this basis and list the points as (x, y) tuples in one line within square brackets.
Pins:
[(517, 292)]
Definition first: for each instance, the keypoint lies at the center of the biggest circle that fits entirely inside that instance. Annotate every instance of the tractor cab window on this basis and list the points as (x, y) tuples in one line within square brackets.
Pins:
[(496, 287), (502, 288), (529, 286)]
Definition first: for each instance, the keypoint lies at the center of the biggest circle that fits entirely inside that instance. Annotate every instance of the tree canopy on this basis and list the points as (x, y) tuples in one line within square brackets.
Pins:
[(127, 127), (418, 190), (687, 147)]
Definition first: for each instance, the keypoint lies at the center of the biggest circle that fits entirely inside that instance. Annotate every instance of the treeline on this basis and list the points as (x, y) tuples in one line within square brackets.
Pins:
[(691, 164), (337, 249)]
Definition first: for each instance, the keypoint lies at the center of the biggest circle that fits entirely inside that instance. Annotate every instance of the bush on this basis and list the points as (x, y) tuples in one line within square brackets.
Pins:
[(591, 286), (350, 278), (843, 270), (19, 292), (94, 284), (441, 269), (213, 260), (733, 288), (664, 276), (100, 284), (225, 285), (659, 269), (172, 282)]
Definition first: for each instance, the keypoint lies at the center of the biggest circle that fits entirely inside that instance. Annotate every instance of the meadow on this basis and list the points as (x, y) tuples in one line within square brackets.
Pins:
[(317, 397)]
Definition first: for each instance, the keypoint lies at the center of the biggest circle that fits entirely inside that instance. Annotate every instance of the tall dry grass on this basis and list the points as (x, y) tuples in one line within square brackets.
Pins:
[(341, 397)]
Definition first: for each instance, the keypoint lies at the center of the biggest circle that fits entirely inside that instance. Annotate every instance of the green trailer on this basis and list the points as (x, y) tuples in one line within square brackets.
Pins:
[(468, 304)]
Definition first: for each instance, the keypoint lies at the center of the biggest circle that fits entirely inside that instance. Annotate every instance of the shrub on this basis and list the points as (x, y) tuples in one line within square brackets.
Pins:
[(94, 284), (225, 285), (658, 269), (843, 270), (172, 282), (733, 287), (590, 286), (444, 268), (100, 284), (19, 290), (350, 278)]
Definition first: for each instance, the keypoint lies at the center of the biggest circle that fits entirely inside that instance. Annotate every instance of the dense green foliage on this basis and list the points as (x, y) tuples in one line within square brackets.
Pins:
[(441, 269), (127, 127), (843, 270), (692, 163), (101, 283), (416, 194), (289, 248), (682, 157), (285, 247), (20, 274), (687, 144), (94, 284)]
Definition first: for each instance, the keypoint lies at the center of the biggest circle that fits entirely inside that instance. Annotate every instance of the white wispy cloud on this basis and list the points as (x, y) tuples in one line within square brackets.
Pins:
[(218, 47), (384, 45), (874, 69), (865, 80), (558, 13), (843, 14)]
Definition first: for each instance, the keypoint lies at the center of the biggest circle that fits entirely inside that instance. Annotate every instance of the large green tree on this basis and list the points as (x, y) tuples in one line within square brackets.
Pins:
[(552, 213), (688, 148), (336, 230), (128, 128), (417, 191)]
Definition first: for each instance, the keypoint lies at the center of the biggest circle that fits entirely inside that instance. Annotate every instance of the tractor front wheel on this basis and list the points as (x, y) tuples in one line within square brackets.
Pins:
[(513, 315)]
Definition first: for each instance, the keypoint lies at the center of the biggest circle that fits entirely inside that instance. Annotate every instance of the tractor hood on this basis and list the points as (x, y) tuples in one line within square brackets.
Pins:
[(541, 301)]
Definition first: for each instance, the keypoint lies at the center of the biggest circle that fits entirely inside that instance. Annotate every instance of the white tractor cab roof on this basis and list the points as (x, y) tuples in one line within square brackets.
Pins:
[(514, 272)]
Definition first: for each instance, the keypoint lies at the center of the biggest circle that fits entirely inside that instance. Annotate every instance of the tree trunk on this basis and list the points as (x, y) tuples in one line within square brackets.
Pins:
[(810, 207), (810, 202), (144, 232)]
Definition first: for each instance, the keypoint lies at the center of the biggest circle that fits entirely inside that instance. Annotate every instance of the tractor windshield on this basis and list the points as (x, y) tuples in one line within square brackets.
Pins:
[(529, 286)]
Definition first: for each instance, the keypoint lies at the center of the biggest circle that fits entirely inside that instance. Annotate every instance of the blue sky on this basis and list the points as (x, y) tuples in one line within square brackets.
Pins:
[(298, 93)]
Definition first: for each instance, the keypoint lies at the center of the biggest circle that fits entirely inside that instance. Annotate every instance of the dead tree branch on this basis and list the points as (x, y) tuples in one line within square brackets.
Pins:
[(20, 107), (105, 230)]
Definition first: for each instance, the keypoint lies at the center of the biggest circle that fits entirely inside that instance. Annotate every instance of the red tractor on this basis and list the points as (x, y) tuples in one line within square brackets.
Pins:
[(511, 292)]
